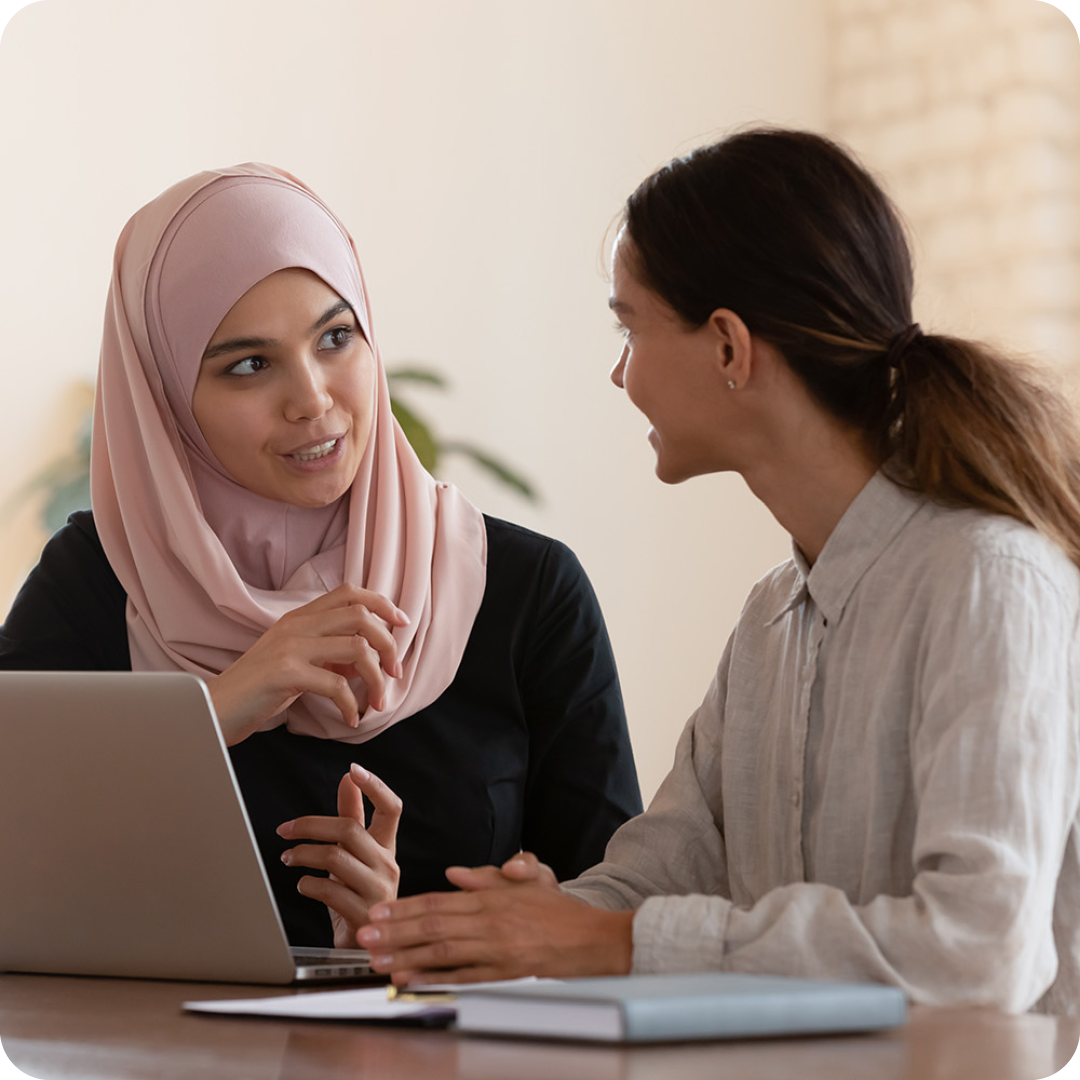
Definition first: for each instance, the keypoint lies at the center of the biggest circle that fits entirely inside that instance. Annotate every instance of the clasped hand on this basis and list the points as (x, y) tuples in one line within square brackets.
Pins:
[(315, 649), (506, 923)]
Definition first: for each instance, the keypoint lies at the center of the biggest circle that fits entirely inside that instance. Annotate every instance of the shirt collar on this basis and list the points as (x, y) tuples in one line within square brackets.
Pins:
[(868, 526)]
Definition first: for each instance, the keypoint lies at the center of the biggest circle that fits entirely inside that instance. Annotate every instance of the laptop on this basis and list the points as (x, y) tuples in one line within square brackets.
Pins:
[(126, 848)]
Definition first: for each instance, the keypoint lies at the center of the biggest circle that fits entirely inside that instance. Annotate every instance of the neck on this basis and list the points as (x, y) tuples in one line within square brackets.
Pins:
[(807, 469)]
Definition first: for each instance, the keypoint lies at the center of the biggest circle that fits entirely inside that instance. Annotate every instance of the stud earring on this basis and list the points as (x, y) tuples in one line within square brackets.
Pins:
[(731, 384)]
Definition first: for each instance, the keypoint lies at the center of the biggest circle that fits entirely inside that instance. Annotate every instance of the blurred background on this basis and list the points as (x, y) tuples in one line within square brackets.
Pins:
[(479, 151)]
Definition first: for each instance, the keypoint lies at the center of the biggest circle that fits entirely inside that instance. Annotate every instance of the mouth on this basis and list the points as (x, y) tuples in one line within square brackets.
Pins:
[(315, 451)]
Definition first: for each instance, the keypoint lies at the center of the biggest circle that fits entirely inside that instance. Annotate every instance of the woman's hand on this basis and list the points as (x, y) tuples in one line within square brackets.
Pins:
[(524, 868), (361, 861), (315, 649), (503, 931)]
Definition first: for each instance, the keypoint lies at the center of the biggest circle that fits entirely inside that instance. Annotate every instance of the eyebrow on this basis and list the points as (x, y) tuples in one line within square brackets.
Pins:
[(236, 344), (620, 307)]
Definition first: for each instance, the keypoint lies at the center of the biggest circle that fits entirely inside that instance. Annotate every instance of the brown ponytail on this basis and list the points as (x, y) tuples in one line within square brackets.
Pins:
[(788, 231)]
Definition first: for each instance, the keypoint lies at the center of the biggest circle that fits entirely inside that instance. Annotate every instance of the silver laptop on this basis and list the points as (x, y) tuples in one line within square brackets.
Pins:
[(126, 848)]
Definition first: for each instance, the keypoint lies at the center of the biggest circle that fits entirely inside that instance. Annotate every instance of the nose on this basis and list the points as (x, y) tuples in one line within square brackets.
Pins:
[(308, 395), (620, 367)]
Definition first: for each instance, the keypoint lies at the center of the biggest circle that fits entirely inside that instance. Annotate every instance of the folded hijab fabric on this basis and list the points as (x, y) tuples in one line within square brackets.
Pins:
[(209, 566)]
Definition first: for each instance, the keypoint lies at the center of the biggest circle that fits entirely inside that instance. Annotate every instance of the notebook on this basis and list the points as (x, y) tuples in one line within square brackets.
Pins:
[(668, 1008), (126, 846)]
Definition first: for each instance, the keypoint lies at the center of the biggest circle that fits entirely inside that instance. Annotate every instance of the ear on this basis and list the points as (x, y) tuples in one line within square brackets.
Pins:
[(734, 348)]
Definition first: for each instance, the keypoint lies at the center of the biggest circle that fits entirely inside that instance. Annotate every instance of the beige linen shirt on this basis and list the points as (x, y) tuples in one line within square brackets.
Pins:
[(883, 781)]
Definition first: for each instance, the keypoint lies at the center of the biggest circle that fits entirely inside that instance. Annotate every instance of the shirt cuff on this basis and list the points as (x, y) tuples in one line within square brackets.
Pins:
[(680, 933)]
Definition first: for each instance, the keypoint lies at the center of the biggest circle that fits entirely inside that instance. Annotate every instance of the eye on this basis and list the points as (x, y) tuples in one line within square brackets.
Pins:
[(337, 337), (250, 365), (622, 331)]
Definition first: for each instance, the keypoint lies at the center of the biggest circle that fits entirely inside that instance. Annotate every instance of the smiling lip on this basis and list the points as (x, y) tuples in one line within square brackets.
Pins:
[(317, 454)]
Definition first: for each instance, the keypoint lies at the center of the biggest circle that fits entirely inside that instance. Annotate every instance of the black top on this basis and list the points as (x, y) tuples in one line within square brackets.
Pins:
[(527, 748)]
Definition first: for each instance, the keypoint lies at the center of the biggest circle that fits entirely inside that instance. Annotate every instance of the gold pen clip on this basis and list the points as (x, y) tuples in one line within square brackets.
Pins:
[(419, 997)]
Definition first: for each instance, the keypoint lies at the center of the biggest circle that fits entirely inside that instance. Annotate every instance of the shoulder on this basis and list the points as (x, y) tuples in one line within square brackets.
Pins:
[(77, 547), (537, 586), (953, 549), (773, 592), (516, 553), (70, 612)]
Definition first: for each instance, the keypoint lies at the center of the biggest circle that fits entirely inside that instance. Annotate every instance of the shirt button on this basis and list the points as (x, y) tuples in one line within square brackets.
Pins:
[(796, 800)]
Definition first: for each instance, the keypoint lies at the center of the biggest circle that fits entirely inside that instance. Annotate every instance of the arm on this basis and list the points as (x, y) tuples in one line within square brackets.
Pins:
[(581, 784), (995, 774)]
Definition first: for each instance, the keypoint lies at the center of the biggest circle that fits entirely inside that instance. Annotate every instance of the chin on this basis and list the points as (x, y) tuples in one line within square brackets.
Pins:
[(667, 475)]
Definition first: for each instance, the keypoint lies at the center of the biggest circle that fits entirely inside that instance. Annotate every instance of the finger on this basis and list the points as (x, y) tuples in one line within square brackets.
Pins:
[(343, 658), (386, 806), (303, 677), (472, 878), (350, 623), (382, 606), (346, 902), (371, 883), (346, 831), (525, 867), (348, 595), (366, 662), (415, 907), (357, 621), (450, 954), (350, 799)]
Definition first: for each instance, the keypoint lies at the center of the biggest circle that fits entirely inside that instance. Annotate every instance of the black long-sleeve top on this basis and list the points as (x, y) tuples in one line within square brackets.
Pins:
[(527, 748)]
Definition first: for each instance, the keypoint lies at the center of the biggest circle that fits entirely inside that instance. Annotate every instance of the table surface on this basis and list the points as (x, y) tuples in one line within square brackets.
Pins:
[(113, 1029)]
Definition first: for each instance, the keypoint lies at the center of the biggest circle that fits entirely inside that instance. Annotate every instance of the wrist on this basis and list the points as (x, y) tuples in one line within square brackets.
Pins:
[(615, 942)]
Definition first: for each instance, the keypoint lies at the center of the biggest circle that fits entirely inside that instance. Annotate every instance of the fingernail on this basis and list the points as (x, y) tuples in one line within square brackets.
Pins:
[(286, 829), (368, 935), (399, 671), (286, 858), (359, 772), (405, 618), (386, 960), (380, 912)]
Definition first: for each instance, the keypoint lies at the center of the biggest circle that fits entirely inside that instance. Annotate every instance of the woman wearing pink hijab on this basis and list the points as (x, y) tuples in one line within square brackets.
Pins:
[(260, 520)]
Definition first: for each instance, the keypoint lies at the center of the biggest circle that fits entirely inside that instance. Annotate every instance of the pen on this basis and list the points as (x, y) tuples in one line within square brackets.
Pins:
[(427, 997)]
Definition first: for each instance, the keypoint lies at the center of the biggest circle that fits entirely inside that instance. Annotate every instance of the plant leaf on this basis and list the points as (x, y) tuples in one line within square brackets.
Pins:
[(501, 471), (416, 375), (418, 434)]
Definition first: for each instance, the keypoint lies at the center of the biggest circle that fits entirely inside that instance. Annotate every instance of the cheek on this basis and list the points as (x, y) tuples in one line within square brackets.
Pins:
[(360, 390), (230, 425)]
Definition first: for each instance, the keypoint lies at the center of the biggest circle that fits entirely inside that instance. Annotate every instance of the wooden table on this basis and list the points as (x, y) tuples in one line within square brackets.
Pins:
[(113, 1029)]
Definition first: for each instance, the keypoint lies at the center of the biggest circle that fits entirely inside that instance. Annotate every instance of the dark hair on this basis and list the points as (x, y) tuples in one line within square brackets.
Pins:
[(788, 231)]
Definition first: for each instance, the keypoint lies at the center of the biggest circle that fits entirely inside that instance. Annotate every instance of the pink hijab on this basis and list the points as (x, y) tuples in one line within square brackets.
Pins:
[(209, 566)]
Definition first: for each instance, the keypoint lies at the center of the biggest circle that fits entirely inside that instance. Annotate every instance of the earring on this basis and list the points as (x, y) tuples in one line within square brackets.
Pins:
[(731, 384)]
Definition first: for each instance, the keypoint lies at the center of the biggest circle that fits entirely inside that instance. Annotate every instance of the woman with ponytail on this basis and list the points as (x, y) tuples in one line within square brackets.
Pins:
[(883, 780)]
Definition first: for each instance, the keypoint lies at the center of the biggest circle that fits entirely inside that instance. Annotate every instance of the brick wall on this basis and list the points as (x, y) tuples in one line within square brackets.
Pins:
[(969, 110)]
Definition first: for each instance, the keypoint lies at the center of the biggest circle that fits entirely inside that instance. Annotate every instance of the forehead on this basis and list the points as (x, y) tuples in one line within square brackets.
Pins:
[(279, 299)]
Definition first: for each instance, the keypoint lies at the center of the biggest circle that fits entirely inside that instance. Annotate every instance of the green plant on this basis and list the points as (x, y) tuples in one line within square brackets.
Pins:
[(65, 482)]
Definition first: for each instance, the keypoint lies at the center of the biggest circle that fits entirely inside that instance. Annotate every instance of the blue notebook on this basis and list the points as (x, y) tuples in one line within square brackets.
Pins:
[(669, 1008)]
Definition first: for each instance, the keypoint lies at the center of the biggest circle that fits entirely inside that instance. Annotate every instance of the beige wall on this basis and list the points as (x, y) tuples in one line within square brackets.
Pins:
[(478, 151), (970, 109)]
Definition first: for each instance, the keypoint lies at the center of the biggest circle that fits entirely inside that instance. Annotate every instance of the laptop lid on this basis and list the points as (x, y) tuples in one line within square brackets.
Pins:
[(126, 846)]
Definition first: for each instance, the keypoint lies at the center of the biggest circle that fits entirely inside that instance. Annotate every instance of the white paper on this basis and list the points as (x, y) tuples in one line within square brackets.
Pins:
[(368, 1003)]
